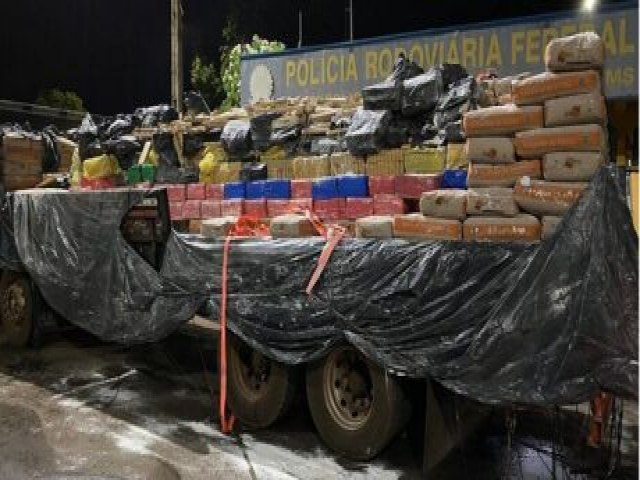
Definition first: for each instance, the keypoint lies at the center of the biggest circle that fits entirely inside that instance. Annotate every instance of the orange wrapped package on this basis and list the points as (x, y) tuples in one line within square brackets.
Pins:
[(547, 85), (417, 226), (521, 228), (502, 175), (547, 198), (576, 138), (502, 120)]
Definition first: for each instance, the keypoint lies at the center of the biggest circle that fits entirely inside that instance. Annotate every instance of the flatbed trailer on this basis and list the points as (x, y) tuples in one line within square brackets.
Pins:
[(383, 311)]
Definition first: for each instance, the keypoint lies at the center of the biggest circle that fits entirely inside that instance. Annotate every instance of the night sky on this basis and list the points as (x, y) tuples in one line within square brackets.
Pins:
[(115, 53)]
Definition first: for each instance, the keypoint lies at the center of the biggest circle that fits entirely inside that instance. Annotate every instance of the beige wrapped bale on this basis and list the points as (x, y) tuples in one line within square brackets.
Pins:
[(581, 51), (291, 226), (424, 160), (502, 120), (310, 167), (549, 225), (519, 229), (571, 166), (491, 202), (544, 86), (502, 175), (417, 226), (444, 204), (575, 110), (490, 150), (217, 227), (345, 163), (575, 138), (541, 198), (375, 226), (456, 158), (385, 163)]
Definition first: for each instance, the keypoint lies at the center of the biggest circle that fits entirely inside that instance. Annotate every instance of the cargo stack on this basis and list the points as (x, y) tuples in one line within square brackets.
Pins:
[(573, 143), (21, 162)]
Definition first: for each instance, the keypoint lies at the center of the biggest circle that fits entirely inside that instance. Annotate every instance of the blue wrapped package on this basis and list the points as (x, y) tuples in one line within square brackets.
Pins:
[(234, 190), (255, 190), (277, 189), (324, 188), (353, 185), (454, 179)]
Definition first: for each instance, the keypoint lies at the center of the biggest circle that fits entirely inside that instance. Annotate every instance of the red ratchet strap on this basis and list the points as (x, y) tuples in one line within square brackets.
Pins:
[(244, 227), (332, 234)]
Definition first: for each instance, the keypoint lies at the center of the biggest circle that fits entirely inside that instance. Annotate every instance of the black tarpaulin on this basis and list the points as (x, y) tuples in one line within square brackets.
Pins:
[(539, 324)]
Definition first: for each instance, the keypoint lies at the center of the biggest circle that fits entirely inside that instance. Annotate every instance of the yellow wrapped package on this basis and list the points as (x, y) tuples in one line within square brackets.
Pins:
[(424, 160), (310, 167), (344, 163), (227, 172), (100, 167), (76, 168), (275, 152), (455, 156), (278, 168)]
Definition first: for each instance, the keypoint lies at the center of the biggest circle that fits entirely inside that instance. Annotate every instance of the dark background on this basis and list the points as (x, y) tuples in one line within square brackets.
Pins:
[(115, 53)]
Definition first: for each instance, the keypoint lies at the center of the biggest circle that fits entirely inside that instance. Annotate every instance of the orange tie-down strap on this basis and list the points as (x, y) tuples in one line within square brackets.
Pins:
[(252, 227)]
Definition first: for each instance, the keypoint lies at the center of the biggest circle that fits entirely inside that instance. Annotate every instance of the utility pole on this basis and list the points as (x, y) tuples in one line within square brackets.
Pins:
[(299, 28), (351, 20), (176, 55)]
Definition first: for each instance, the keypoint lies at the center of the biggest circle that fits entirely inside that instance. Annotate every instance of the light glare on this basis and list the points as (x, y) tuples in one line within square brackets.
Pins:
[(588, 5)]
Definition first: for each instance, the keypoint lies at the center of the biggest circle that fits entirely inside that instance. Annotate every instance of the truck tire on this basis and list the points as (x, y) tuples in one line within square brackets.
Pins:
[(356, 406), (260, 390), (16, 309)]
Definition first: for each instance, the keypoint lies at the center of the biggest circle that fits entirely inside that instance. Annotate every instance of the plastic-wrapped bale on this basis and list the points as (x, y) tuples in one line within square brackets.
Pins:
[(522, 228), (211, 208), (452, 73), (232, 207), (375, 226), (575, 109), (236, 137), (502, 120), (297, 205), (453, 132), (217, 227), (192, 209), (260, 126), (382, 185), (278, 168), (385, 163), (277, 207), (575, 138), (489, 150), (444, 204), (424, 160), (571, 166), (502, 175), (455, 178), (456, 157), (330, 209), (344, 163), (353, 185), (366, 132), (421, 93), (310, 167), (414, 185), (196, 191), (175, 210), (549, 225), (460, 99), (581, 51), (325, 146), (385, 95), (214, 191), (227, 172), (291, 226), (301, 188), (417, 226), (357, 207), (386, 204), (235, 190), (494, 202), (545, 86), (325, 188), (540, 197), (256, 208), (251, 172)]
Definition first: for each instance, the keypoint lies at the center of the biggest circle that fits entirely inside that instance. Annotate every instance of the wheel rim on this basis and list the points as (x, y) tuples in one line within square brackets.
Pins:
[(14, 308), (253, 371), (348, 388)]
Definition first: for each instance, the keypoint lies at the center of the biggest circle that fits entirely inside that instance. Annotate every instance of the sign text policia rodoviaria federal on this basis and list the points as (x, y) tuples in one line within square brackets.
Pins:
[(509, 47)]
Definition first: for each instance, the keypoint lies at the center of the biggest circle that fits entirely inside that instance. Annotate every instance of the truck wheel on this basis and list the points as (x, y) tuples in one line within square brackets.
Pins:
[(356, 407), (16, 309), (261, 390)]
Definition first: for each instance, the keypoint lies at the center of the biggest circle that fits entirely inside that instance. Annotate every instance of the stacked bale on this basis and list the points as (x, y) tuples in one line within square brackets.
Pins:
[(573, 143)]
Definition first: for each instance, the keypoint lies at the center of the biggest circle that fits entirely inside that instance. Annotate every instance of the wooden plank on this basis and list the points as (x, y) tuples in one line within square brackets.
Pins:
[(145, 153)]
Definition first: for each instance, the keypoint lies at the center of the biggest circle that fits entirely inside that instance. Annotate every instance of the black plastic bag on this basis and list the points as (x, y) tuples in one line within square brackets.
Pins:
[(454, 133), (122, 125), (367, 131), (452, 73), (404, 69), (261, 130), (421, 93), (460, 92), (253, 171), (382, 96), (192, 143), (147, 117), (194, 103), (50, 156), (168, 162), (325, 146), (236, 138), (287, 137), (87, 139), (126, 149)]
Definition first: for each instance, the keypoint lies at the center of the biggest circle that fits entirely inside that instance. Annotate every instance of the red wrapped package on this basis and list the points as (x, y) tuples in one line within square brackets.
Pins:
[(379, 185), (176, 193), (214, 191), (175, 210), (388, 205), (277, 207), (358, 207), (300, 204), (413, 185), (196, 191), (191, 209), (300, 188), (256, 208), (210, 208), (98, 183), (333, 209), (232, 207)]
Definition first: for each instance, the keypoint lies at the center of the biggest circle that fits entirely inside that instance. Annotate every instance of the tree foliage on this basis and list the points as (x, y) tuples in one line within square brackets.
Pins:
[(205, 79), (57, 98)]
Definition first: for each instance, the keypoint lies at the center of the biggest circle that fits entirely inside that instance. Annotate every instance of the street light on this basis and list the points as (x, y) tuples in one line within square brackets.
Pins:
[(588, 5)]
